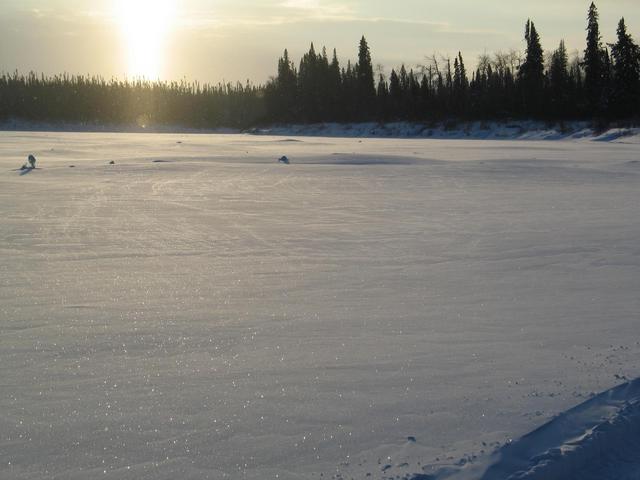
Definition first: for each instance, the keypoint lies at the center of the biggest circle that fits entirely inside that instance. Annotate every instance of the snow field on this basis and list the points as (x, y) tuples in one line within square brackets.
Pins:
[(199, 310)]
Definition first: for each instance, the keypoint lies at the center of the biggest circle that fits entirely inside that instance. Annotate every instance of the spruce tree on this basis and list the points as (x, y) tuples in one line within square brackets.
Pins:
[(413, 96), (559, 67), (532, 71), (607, 82), (366, 90), (559, 80), (449, 78), (626, 71), (575, 94), (324, 85), (286, 89), (349, 94), (593, 62), (457, 82), (335, 88), (382, 98), (404, 79), (404, 104), (425, 95), (306, 79), (395, 93), (464, 81), (460, 85)]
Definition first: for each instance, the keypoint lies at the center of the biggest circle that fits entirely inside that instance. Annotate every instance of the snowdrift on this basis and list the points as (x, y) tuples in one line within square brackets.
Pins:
[(524, 130), (599, 440), (516, 130)]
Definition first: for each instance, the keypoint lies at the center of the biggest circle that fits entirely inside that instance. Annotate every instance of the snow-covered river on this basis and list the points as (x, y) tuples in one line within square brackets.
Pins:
[(198, 311)]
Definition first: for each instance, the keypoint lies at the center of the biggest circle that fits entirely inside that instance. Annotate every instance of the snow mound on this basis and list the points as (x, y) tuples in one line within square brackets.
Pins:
[(450, 130), (599, 440)]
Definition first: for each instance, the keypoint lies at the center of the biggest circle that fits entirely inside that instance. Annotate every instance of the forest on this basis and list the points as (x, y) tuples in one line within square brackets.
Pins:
[(600, 84)]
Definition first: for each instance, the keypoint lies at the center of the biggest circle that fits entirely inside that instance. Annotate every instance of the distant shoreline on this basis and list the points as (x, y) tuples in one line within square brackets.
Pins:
[(451, 130), (74, 127)]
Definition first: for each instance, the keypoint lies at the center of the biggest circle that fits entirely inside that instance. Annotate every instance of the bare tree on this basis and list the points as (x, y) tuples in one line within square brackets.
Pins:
[(515, 59), (484, 62)]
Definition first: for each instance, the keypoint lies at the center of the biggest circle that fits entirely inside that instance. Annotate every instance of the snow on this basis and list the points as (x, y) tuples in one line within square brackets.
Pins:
[(515, 130), (595, 440), (452, 130), (379, 306)]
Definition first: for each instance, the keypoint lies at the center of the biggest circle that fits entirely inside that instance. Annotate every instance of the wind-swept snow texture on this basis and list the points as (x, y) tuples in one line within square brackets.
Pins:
[(375, 309)]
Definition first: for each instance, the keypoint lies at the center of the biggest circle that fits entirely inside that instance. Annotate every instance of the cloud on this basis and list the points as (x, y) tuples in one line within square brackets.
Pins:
[(304, 4), (318, 8), (198, 14)]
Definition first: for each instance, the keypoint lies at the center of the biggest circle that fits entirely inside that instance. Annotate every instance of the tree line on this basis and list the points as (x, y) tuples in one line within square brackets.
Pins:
[(602, 83), (95, 101)]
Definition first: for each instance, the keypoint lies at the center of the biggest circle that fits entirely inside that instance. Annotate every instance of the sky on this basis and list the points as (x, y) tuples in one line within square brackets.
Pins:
[(235, 40)]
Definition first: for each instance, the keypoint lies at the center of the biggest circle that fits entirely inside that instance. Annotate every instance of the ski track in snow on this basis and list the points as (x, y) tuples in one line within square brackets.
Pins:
[(378, 308)]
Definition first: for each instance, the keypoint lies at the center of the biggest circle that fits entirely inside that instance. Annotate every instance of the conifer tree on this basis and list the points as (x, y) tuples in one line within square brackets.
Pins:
[(464, 81), (404, 79), (413, 96), (532, 71), (309, 86), (382, 97), (626, 71), (365, 82), (449, 78), (559, 67), (286, 89), (335, 87), (425, 95), (349, 94), (559, 80), (607, 82), (593, 62), (460, 84), (395, 93), (323, 85), (576, 93)]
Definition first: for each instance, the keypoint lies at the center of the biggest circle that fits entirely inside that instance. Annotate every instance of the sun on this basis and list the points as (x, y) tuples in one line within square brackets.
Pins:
[(145, 25)]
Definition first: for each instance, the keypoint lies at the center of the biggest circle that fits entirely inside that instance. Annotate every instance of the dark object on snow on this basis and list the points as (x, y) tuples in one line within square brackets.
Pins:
[(284, 160), (72, 166), (30, 165), (112, 162), (411, 439)]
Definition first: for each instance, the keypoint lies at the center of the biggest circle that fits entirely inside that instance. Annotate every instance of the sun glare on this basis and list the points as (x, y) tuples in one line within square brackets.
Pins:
[(145, 25)]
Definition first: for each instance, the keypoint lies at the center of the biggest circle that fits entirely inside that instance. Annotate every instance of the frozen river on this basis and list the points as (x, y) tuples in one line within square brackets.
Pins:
[(382, 307)]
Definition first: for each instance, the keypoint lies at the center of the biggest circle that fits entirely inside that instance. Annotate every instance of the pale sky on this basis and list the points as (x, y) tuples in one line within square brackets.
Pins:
[(212, 40)]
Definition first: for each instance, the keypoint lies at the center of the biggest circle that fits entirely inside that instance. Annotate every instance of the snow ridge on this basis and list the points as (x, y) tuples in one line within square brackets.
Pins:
[(599, 439), (516, 130), (512, 130)]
